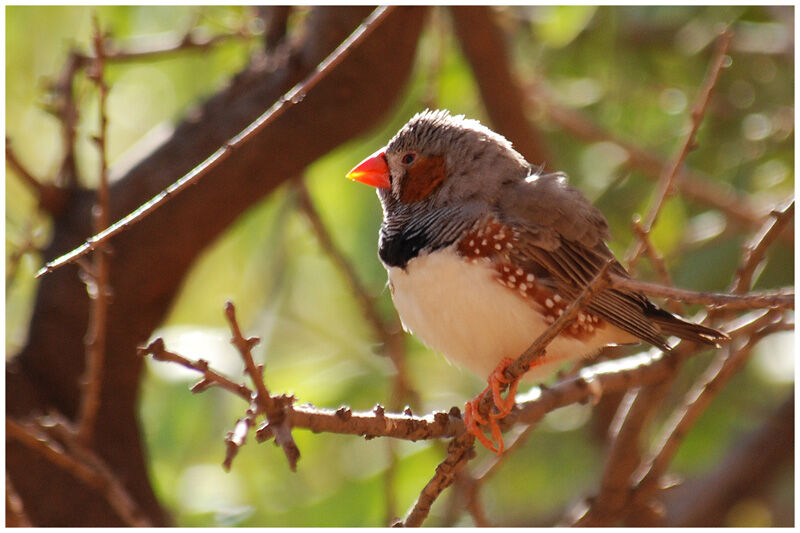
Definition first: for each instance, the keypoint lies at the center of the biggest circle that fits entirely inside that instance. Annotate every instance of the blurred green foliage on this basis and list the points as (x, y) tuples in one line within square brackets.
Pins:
[(634, 71)]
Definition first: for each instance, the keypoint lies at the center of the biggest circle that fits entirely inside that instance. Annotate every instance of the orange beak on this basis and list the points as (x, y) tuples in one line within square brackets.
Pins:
[(372, 171)]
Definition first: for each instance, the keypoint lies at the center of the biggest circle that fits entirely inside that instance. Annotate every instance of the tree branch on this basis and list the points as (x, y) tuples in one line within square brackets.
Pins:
[(779, 299), (756, 249), (97, 281), (87, 467), (667, 179), (233, 146)]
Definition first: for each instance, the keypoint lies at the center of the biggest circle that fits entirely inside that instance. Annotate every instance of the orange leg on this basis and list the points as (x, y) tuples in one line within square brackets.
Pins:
[(473, 420)]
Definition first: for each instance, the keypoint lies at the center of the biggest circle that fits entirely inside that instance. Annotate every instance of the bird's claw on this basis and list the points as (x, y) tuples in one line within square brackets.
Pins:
[(472, 417)]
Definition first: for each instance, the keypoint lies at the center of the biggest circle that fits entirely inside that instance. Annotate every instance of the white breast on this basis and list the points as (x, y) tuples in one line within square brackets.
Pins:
[(458, 308)]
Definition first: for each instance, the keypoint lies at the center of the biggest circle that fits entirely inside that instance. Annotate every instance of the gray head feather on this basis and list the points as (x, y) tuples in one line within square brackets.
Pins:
[(477, 160)]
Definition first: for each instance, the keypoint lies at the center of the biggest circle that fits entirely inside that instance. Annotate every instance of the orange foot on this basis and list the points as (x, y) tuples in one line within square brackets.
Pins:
[(472, 418)]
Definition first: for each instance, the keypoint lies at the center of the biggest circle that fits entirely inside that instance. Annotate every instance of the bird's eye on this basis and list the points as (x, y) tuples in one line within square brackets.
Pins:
[(409, 158)]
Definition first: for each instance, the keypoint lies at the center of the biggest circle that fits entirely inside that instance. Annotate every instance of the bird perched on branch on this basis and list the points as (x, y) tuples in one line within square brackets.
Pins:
[(484, 252)]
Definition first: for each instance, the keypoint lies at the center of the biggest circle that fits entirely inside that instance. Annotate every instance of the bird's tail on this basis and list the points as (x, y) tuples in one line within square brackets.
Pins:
[(670, 324)]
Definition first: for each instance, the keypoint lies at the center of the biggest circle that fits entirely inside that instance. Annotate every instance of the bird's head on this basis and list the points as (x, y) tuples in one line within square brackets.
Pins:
[(443, 160)]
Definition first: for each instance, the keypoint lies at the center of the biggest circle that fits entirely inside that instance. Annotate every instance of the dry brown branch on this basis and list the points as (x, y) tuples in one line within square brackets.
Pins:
[(481, 40), (274, 408), (623, 455), (238, 437), (98, 281), (667, 179), (780, 298), (80, 462), (293, 97), (756, 249), (611, 376), (388, 332), (210, 377), (459, 452), (622, 461)]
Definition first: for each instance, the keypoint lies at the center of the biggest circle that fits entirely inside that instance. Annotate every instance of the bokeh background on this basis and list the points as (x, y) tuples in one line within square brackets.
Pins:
[(634, 71)]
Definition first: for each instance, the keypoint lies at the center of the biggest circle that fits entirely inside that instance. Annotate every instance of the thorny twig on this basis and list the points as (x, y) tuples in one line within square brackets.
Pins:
[(210, 377), (97, 281), (237, 438), (295, 95), (610, 376), (274, 408), (667, 179)]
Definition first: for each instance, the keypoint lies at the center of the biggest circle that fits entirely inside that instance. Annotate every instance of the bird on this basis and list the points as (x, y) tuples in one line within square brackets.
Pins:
[(484, 251)]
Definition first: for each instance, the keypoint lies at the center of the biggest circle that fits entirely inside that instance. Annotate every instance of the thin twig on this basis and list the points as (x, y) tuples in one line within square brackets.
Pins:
[(98, 281), (780, 298), (756, 249), (64, 108), (210, 376), (522, 364), (294, 96), (274, 408), (735, 205), (237, 438), (667, 179), (623, 455), (656, 260), (158, 46), (459, 452)]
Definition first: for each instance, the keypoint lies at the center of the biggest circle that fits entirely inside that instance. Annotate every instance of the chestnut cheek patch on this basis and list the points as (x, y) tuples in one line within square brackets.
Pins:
[(422, 178)]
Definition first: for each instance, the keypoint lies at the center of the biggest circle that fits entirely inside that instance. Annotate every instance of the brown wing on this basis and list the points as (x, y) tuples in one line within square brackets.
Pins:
[(558, 231)]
